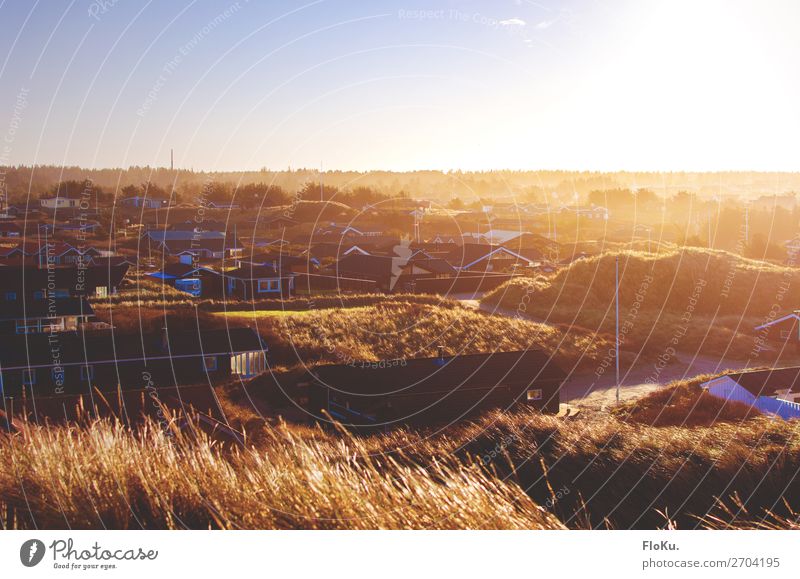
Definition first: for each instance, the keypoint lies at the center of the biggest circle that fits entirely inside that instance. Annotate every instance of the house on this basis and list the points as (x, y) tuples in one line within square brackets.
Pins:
[(418, 274), (220, 205), (782, 331), (107, 360), (190, 246), (494, 236), (20, 211), (60, 202), (272, 243), (322, 284), (345, 231), (62, 253), (774, 391), (60, 282), (72, 226), (9, 229), (278, 222), (113, 260), (145, 202), (428, 391), (183, 277), (385, 271), (19, 252), (131, 406), (590, 212), (201, 225), (488, 258), (283, 262), (34, 316), (257, 281)]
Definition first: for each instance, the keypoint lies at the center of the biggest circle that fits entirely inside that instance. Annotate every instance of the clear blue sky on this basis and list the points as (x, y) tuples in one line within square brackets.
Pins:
[(401, 85)]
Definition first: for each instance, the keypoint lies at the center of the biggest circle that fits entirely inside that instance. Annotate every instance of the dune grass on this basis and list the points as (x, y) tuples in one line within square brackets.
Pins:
[(104, 476), (400, 329), (695, 300), (505, 470)]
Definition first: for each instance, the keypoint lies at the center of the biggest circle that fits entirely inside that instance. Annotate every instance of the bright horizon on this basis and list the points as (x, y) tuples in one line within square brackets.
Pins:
[(403, 86)]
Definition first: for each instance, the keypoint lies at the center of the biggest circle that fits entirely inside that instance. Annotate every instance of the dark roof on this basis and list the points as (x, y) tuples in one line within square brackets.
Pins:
[(442, 374), (127, 404), (281, 261), (467, 254), (177, 269), (77, 280), (113, 260), (32, 309), (25, 350), (358, 265), (214, 341), (253, 272), (435, 265), (175, 246), (462, 255), (204, 225), (768, 382)]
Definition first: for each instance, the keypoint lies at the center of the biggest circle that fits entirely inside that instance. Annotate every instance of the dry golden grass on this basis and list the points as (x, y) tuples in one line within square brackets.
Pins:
[(105, 476), (684, 403), (608, 472), (707, 301), (598, 470), (400, 329)]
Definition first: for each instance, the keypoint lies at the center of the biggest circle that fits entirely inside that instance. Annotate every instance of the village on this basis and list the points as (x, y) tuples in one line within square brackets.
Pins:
[(80, 262)]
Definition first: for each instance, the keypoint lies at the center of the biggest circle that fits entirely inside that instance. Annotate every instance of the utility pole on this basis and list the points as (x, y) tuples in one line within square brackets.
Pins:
[(616, 302), (746, 223), (171, 160)]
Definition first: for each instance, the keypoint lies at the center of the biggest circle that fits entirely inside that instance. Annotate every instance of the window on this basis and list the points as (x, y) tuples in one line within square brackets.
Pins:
[(87, 373), (27, 326), (28, 377), (210, 363), (101, 291), (248, 364), (535, 394), (269, 285), (38, 295), (11, 296)]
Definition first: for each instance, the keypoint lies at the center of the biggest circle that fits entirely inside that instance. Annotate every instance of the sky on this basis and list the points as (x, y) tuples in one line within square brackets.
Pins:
[(644, 85)]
